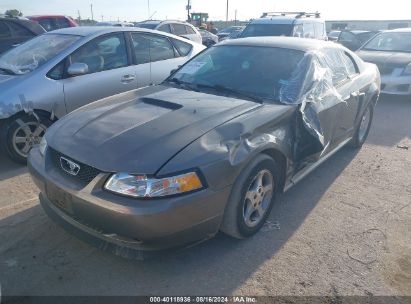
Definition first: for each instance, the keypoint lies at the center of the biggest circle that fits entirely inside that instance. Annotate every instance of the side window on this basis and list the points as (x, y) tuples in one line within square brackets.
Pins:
[(350, 64), (165, 28), (19, 30), (183, 48), (62, 23), (47, 24), (57, 72), (319, 30), (309, 30), (103, 53), (160, 48), (347, 37), (335, 61), (179, 29), (141, 44), (298, 31), (4, 30), (189, 30)]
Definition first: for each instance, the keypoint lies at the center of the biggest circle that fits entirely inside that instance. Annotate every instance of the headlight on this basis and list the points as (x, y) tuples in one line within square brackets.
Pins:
[(407, 70), (143, 186), (43, 146)]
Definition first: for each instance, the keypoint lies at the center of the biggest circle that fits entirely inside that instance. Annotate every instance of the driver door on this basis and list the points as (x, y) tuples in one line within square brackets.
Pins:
[(109, 71)]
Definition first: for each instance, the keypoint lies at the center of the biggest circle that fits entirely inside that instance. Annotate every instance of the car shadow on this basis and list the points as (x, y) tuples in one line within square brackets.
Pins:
[(391, 124), (9, 169), (41, 251)]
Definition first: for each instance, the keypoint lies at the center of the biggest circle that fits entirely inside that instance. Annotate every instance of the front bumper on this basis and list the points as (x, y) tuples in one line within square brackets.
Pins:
[(123, 225), (396, 85)]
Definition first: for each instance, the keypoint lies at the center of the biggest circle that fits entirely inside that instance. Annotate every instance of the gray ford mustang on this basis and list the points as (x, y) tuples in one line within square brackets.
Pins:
[(206, 150)]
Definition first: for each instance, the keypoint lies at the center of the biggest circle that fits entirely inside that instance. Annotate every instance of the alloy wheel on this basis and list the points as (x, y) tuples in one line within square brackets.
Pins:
[(258, 198), (26, 136)]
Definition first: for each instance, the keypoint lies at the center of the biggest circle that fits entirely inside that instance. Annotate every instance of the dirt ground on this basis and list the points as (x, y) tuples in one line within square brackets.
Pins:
[(344, 230)]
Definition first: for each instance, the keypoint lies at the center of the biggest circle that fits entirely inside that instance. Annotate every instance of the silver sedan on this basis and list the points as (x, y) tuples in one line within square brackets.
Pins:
[(58, 72)]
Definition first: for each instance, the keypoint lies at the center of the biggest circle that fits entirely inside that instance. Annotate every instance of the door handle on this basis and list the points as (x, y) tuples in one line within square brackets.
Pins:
[(127, 78)]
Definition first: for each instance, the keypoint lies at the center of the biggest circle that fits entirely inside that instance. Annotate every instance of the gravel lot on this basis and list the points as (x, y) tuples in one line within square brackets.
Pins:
[(344, 230)]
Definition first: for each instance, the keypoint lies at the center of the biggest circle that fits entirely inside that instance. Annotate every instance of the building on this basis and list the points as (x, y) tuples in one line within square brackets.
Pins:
[(370, 25)]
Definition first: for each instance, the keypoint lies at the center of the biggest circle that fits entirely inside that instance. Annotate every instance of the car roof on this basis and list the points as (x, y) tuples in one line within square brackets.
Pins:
[(295, 43), (47, 16), (163, 21), (287, 19), (101, 30), (400, 30), (29, 24)]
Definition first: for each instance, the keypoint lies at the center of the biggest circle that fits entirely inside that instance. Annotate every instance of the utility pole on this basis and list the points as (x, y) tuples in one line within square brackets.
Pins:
[(92, 15), (226, 13), (102, 18), (235, 18), (188, 8), (148, 8), (79, 17)]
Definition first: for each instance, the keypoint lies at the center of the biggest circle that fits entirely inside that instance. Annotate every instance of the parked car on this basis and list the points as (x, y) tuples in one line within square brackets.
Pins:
[(353, 40), (236, 34), (231, 30), (178, 28), (55, 73), (391, 52), (333, 35), (209, 39), (303, 25), (115, 23), (209, 148), (54, 22), (16, 31)]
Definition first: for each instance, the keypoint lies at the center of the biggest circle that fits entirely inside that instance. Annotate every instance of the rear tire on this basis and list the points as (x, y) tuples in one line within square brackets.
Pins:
[(251, 199), (363, 128), (20, 133)]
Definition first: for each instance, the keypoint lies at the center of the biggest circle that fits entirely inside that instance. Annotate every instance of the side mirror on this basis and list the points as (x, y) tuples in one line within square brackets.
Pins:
[(78, 68)]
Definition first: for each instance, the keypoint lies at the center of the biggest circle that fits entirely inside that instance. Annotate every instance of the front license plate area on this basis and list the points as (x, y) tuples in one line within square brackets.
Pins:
[(60, 198)]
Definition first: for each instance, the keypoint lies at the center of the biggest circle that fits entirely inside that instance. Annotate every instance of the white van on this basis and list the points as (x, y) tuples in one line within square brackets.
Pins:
[(293, 24)]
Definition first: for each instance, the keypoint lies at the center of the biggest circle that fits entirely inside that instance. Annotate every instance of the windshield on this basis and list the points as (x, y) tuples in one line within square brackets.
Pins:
[(35, 52), (391, 42), (150, 26), (253, 70), (334, 34), (257, 30)]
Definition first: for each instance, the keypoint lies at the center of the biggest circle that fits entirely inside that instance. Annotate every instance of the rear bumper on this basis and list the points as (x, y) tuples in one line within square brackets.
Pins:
[(396, 85), (125, 226)]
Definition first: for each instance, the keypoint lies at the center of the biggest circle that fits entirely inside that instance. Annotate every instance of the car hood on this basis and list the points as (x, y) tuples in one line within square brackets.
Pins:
[(381, 59), (140, 135)]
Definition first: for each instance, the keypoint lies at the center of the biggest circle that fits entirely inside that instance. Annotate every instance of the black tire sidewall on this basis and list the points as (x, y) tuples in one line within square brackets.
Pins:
[(266, 164), (358, 142), (9, 128)]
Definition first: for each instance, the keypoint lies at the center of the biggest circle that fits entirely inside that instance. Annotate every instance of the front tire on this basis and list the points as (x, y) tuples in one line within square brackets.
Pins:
[(252, 198), (364, 126), (20, 133)]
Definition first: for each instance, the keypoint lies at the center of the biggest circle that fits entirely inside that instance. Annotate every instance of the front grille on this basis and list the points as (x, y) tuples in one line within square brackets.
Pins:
[(86, 173)]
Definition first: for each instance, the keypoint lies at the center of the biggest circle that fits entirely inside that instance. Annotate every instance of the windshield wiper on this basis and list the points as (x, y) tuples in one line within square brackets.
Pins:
[(219, 87), (183, 84), (7, 71)]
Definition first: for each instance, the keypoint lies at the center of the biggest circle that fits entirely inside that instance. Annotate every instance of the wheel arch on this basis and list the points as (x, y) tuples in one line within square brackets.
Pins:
[(281, 161)]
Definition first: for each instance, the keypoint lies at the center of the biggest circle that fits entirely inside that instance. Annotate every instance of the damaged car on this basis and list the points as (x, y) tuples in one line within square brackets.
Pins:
[(209, 148), (57, 72)]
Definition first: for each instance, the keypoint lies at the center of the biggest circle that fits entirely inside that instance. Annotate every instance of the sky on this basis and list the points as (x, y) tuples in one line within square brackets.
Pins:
[(136, 10)]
